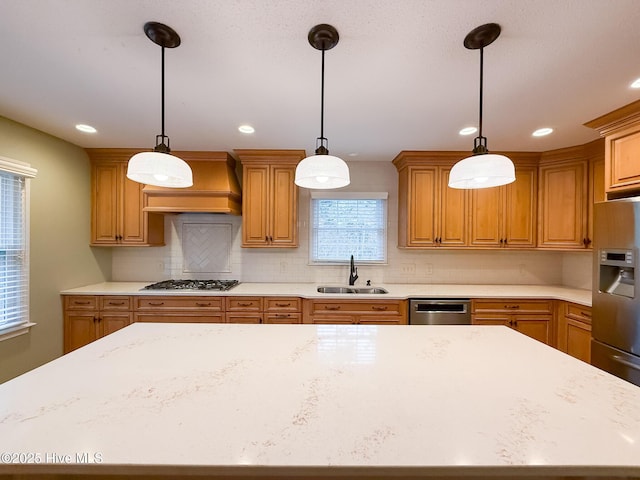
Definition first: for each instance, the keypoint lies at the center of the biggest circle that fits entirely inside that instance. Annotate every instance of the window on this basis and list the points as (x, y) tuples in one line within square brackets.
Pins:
[(14, 247), (345, 224)]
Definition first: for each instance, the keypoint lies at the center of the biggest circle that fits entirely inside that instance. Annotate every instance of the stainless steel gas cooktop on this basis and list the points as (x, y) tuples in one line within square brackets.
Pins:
[(219, 285)]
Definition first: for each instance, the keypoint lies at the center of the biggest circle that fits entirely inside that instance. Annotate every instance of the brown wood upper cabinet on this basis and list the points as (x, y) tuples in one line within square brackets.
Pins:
[(505, 217), (269, 198), (430, 214), (570, 182), (117, 218), (621, 129)]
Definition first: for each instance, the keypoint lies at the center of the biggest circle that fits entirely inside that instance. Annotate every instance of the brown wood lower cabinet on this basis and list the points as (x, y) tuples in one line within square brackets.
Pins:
[(574, 331), (89, 317), (533, 318), (378, 312), (186, 309)]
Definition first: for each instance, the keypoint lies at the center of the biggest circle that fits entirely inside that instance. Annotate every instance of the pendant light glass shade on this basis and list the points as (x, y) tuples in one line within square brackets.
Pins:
[(159, 167), (322, 171), (482, 169)]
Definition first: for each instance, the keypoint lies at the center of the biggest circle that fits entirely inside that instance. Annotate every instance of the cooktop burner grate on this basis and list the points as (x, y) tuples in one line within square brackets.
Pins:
[(219, 285)]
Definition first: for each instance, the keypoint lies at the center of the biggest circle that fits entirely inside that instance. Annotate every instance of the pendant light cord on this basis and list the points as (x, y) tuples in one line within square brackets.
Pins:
[(162, 93), (322, 99), (481, 82)]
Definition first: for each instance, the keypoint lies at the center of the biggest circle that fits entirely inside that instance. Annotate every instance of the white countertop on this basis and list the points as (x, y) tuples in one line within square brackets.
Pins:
[(396, 291), (253, 399)]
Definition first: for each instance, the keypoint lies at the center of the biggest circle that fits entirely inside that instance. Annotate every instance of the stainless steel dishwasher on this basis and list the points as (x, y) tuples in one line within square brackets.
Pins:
[(439, 311)]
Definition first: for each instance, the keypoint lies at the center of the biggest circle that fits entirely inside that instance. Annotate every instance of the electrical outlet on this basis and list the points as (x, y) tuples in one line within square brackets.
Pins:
[(408, 268), (429, 269)]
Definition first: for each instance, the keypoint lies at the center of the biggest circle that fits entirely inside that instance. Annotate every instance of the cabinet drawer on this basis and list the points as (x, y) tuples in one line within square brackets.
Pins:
[(244, 304), (356, 306), (81, 302), (115, 303), (282, 304), (283, 318), (241, 317), (578, 312), (179, 303), (175, 317), (512, 306)]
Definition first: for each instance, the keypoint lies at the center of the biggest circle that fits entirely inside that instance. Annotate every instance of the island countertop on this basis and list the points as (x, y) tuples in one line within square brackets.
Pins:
[(396, 291), (319, 401)]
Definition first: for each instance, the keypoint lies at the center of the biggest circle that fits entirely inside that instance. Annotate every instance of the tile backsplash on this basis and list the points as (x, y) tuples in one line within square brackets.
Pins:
[(205, 246)]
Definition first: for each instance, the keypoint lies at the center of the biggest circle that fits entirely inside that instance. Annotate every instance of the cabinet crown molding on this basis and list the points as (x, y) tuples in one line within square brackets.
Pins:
[(616, 120)]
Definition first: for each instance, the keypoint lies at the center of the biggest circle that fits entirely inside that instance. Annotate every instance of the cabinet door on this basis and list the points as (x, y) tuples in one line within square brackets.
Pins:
[(283, 227), (422, 206), (105, 202), (132, 229), (563, 205), (254, 206), (520, 209), (622, 152), (110, 322), (486, 222), (534, 327), (80, 328), (596, 191), (452, 230)]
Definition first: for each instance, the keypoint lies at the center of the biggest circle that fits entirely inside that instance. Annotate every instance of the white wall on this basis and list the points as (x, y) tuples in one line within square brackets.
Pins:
[(404, 266)]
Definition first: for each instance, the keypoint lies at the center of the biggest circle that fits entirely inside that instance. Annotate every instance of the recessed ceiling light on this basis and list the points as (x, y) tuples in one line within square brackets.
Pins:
[(246, 129), (85, 128), (541, 132), (353, 154), (636, 83), (468, 131)]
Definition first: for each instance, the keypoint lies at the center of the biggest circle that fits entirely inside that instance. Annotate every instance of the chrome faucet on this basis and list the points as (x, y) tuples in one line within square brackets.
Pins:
[(353, 275)]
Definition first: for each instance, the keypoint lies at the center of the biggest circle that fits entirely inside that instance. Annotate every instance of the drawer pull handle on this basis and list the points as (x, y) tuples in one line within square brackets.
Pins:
[(585, 314), (200, 304), (156, 304), (332, 307), (282, 315), (283, 304), (115, 303), (379, 308), (245, 304), (76, 302), (512, 307)]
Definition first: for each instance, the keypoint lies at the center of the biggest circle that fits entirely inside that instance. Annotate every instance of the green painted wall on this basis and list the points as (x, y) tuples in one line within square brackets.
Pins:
[(60, 228)]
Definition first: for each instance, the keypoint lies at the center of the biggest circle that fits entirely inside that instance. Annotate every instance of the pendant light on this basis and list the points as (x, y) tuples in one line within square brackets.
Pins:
[(159, 167), (322, 171), (482, 169)]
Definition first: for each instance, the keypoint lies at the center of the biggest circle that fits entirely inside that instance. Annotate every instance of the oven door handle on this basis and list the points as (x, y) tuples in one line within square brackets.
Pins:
[(627, 363)]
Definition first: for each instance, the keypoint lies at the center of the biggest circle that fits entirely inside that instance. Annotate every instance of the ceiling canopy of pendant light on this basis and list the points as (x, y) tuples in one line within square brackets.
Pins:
[(482, 169), (159, 167), (322, 171)]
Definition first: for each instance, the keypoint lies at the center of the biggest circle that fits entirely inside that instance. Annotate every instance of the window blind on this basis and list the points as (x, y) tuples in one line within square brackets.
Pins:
[(14, 243), (348, 224)]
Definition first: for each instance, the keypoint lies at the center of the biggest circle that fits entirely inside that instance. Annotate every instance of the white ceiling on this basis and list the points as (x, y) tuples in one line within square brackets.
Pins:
[(399, 79)]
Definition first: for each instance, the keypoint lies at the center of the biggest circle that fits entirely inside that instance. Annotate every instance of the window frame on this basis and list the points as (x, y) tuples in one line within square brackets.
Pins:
[(24, 170), (336, 195)]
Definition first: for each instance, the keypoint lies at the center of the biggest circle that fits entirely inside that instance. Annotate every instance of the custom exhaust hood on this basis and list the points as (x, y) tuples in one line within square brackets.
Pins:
[(215, 187)]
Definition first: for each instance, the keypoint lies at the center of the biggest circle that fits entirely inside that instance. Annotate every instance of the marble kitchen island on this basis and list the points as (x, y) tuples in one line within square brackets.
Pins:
[(318, 401)]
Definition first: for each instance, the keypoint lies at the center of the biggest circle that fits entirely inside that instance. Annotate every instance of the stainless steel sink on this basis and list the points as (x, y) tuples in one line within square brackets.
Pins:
[(361, 290)]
